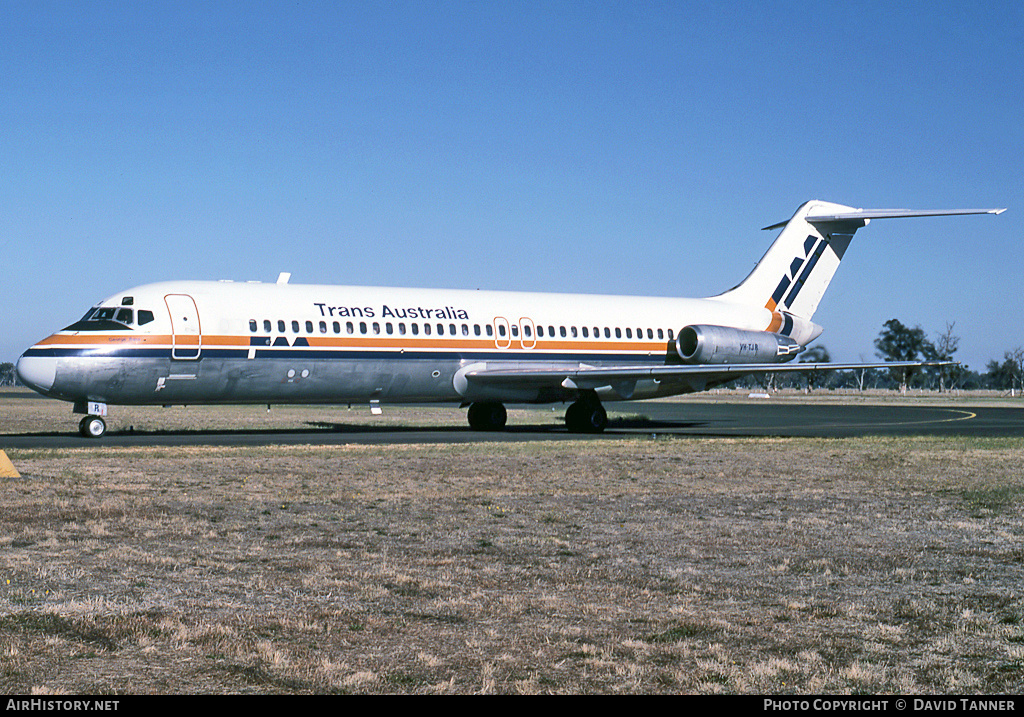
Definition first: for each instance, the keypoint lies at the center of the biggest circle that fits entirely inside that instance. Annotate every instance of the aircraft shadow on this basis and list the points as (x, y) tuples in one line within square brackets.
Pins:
[(623, 424)]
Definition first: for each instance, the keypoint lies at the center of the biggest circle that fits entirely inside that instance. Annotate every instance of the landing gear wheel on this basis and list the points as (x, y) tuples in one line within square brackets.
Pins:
[(586, 417), (92, 427), (487, 416)]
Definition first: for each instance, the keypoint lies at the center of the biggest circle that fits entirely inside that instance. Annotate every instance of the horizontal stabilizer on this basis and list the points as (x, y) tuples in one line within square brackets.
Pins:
[(868, 214)]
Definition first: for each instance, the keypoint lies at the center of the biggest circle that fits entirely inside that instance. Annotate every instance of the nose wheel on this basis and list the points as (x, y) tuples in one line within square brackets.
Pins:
[(92, 427)]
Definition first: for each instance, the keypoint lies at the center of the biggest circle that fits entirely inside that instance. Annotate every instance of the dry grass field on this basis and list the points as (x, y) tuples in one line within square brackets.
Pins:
[(668, 565)]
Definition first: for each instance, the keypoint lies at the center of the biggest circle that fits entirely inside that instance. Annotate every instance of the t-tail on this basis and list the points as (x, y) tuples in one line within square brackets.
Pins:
[(796, 270)]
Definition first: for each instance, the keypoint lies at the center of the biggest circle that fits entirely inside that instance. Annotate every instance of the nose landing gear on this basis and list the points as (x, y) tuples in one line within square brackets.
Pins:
[(92, 427)]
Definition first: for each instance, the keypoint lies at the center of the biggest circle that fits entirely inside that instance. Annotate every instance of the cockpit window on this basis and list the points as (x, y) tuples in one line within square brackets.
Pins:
[(110, 318), (113, 313), (104, 313)]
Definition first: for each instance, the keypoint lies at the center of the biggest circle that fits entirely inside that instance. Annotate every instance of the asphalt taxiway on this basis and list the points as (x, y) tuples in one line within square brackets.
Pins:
[(753, 417)]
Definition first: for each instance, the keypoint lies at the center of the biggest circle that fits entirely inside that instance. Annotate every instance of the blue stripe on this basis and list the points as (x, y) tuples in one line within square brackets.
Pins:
[(805, 274), (308, 354)]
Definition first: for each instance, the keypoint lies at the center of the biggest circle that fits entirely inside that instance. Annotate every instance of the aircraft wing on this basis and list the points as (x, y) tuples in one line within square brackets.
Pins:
[(592, 377)]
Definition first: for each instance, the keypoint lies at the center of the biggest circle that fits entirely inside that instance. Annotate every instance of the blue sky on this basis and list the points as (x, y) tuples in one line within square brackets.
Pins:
[(594, 147)]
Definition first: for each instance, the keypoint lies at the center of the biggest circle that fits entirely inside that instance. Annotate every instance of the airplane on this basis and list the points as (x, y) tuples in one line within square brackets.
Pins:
[(224, 342)]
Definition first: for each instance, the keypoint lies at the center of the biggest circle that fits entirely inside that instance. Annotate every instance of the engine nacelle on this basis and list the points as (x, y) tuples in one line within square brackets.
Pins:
[(721, 344)]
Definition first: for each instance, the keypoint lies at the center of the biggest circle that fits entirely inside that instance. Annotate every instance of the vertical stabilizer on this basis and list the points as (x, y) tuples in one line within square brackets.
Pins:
[(792, 276), (797, 268)]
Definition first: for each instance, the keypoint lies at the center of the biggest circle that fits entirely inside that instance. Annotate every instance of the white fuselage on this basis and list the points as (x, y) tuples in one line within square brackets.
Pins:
[(223, 342), (228, 342)]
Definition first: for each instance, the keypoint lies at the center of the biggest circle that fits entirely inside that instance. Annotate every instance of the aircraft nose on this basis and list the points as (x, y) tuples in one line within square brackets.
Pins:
[(37, 372)]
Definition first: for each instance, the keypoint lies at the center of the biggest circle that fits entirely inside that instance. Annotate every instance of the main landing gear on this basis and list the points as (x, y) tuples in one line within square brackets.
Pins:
[(585, 415), (487, 416)]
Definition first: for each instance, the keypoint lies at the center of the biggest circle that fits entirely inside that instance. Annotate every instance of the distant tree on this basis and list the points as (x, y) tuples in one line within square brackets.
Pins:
[(862, 378), (768, 381), (7, 375), (1008, 375), (1014, 366), (997, 376), (968, 379), (942, 349), (812, 379), (897, 342)]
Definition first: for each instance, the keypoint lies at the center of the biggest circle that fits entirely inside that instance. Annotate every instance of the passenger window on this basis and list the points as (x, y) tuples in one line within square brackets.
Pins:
[(252, 325), (309, 327), (416, 329), (362, 327), (280, 326), (350, 327), (561, 331), (401, 329), (323, 327), (337, 327), (573, 330), (295, 327), (618, 332), (376, 327), (389, 328)]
